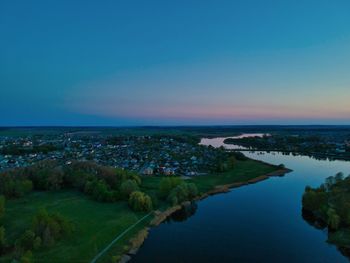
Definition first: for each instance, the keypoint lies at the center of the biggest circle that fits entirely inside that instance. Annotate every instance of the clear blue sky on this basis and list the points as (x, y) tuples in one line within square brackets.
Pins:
[(174, 62)]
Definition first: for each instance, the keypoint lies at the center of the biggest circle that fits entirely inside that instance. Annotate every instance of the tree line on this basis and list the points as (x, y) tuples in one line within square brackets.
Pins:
[(330, 203)]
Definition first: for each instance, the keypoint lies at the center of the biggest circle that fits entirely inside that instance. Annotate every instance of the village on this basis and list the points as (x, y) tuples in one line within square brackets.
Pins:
[(146, 155)]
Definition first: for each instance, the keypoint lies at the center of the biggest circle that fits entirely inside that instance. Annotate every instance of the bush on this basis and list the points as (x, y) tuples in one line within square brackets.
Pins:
[(139, 201), (128, 187)]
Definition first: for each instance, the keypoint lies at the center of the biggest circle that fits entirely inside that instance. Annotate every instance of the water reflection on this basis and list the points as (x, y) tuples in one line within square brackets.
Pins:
[(188, 210), (312, 220), (219, 141)]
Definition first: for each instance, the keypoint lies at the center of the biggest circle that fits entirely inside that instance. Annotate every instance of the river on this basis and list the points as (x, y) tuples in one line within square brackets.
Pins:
[(255, 223)]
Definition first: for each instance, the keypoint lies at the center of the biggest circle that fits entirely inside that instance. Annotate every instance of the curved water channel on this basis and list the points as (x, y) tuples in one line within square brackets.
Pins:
[(256, 223)]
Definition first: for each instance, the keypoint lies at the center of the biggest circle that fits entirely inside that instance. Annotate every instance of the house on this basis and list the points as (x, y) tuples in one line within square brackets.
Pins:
[(148, 171), (338, 150), (191, 173), (169, 171)]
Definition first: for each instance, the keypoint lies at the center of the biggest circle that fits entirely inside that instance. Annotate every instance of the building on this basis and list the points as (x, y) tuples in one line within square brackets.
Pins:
[(148, 171)]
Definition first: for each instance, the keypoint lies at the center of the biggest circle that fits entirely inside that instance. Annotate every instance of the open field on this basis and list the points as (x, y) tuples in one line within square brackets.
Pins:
[(244, 171), (96, 223)]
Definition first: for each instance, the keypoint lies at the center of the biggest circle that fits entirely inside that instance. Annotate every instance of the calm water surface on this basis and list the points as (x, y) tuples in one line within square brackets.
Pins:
[(255, 223), (219, 141)]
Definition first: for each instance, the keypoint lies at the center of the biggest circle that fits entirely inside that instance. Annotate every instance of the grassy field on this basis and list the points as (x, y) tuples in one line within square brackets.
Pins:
[(243, 171), (97, 224)]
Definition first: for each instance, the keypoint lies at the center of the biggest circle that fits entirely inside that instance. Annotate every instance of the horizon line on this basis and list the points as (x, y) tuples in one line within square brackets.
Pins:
[(175, 126)]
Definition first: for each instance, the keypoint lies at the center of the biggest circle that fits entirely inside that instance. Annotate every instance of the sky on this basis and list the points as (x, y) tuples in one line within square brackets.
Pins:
[(118, 63)]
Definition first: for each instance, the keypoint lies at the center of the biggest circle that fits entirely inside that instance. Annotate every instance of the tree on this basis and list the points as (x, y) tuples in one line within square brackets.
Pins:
[(182, 192), (339, 177), (313, 200), (12, 187), (231, 161), (51, 227), (333, 220), (124, 175), (47, 237), (128, 187), (192, 190), (139, 201), (100, 191), (167, 184)]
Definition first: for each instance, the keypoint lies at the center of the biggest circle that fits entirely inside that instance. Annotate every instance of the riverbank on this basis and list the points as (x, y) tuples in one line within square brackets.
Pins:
[(160, 216), (231, 227)]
